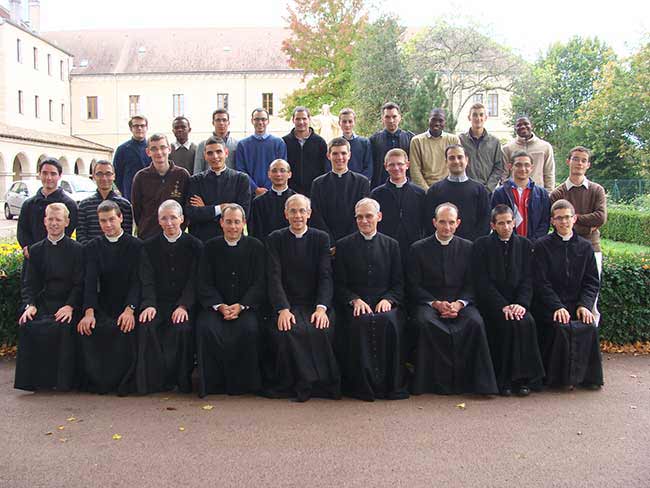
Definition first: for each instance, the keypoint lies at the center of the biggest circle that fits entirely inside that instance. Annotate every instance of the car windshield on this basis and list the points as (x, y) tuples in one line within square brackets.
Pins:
[(79, 183), (33, 186)]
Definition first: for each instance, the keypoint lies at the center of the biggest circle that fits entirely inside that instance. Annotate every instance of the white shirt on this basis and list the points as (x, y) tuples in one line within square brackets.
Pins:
[(299, 236), (173, 239), (114, 239), (368, 238), (399, 185), (54, 243), (569, 184), (186, 145), (280, 192)]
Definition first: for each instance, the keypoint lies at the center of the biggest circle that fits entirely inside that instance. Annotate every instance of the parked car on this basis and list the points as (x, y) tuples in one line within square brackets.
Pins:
[(76, 186)]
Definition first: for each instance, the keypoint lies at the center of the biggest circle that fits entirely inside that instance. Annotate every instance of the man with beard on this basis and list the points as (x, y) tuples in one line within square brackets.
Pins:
[(370, 294), (165, 333)]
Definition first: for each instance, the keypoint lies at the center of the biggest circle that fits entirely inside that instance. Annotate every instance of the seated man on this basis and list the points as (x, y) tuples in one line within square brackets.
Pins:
[(503, 278), (300, 290), (566, 286), (370, 293), (231, 290), (267, 210), (52, 295), (168, 273), (211, 190), (111, 297), (452, 354)]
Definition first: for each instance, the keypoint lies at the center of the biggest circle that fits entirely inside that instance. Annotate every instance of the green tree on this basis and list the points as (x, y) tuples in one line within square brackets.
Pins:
[(323, 35), (379, 74), (429, 93)]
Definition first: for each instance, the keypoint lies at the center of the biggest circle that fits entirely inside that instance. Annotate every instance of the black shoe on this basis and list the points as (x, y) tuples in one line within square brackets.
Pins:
[(591, 386), (524, 391), (506, 392)]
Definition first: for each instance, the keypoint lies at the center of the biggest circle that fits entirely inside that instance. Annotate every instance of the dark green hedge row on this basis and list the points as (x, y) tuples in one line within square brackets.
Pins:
[(624, 302), (627, 225)]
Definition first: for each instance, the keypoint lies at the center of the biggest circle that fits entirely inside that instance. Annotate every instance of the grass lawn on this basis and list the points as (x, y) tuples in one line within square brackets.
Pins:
[(624, 248)]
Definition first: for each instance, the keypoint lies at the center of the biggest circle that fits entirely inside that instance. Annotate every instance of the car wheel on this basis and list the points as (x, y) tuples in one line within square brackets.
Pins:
[(8, 214)]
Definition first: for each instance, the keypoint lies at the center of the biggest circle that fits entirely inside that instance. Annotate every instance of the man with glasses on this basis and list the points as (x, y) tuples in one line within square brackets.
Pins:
[(131, 156), (161, 180), (221, 124), (88, 225), (255, 152)]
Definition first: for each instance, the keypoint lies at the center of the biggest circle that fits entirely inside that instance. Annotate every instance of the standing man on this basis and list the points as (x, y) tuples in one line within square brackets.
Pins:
[(370, 294), (31, 226), (389, 138), (402, 203), (566, 287), (428, 165), (471, 197), (483, 150), (540, 151), (88, 227), (211, 190), (131, 156), (503, 277), (360, 149), (267, 211), (530, 203), (221, 124), (51, 294), (335, 194), (300, 291), (588, 200), (183, 151), (255, 153), (306, 152), (452, 354), (231, 290), (161, 181)]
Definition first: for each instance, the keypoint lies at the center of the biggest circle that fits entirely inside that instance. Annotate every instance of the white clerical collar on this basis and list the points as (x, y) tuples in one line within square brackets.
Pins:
[(299, 236), (399, 185), (567, 238), (458, 179), (56, 241), (218, 173), (114, 239), (173, 239), (368, 238), (503, 240), (569, 184), (443, 242), (232, 243), (340, 175), (353, 136), (186, 145), (280, 192)]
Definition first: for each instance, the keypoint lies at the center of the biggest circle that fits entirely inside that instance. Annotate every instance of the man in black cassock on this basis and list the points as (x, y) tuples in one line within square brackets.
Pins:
[(166, 323), (566, 286), (402, 203), (267, 210), (212, 189), (51, 293), (369, 288), (503, 278), (300, 290), (452, 354), (470, 197), (231, 290), (112, 292), (334, 195)]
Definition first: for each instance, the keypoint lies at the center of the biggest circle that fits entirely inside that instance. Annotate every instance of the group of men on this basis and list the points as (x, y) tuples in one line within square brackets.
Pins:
[(436, 271)]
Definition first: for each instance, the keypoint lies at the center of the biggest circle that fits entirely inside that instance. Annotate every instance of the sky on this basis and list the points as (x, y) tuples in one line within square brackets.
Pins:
[(528, 28)]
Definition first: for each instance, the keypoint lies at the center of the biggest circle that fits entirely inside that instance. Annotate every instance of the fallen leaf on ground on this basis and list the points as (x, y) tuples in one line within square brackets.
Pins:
[(207, 407), (170, 408), (182, 429), (71, 419), (48, 433), (116, 437), (579, 432), (63, 439), (61, 427), (633, 407), (461, 406)]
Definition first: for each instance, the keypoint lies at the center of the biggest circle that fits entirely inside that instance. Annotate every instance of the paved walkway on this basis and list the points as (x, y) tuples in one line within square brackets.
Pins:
[(553, 439)]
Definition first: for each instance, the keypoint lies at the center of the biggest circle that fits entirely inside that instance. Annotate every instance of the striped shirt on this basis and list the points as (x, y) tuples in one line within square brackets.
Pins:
[(88, 225)]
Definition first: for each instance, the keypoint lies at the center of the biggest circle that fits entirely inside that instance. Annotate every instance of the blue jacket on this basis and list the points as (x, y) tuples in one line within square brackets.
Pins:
[(129, 158), (539, 206)]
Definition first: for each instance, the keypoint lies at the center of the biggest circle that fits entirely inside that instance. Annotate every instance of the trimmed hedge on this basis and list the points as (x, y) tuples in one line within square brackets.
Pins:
[(627, 225), (624, 301)]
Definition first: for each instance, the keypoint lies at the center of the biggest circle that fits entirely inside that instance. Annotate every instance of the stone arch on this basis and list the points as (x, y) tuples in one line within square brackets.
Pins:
[(3, 169), (80, 167), (20, 166), (66, 165), (38, 161)]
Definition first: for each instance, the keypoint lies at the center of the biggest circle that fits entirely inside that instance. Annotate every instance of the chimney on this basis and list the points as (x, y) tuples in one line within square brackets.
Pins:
[(35, 15), (16, 11)]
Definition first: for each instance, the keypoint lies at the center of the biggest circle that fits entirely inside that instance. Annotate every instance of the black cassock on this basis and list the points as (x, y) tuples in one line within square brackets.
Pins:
[(566, 277), (166, 350), (333, 198), (452, 355), (46, 348), (228, 350), (112, 282), (267, 213), (371, 346), (300, 278), (503, 276)]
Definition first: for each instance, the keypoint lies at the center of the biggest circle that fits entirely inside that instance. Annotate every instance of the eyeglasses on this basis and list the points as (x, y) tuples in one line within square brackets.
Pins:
[(260, 119), (563, 218), (138, 126), (576, 159), (101, 174)]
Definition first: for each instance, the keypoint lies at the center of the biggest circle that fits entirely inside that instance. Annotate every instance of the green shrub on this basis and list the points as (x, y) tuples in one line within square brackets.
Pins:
[(10, 269), (627, 225)]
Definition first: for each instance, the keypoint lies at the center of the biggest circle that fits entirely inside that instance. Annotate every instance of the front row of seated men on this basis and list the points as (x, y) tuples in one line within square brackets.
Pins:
[(290, 321)]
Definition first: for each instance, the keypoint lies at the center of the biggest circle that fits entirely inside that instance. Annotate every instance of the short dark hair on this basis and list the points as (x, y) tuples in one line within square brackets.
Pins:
[(454, 146), (214, 140), (157, 137), (108, 206), (101, 162), (390, 106), (562, 204), (437, 110), (220, 111), (338, 141), (500, 209), (520, 153), (580, 149), (300, 108), (179, 118), (53, 161), (138, 117), (260, 109)]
